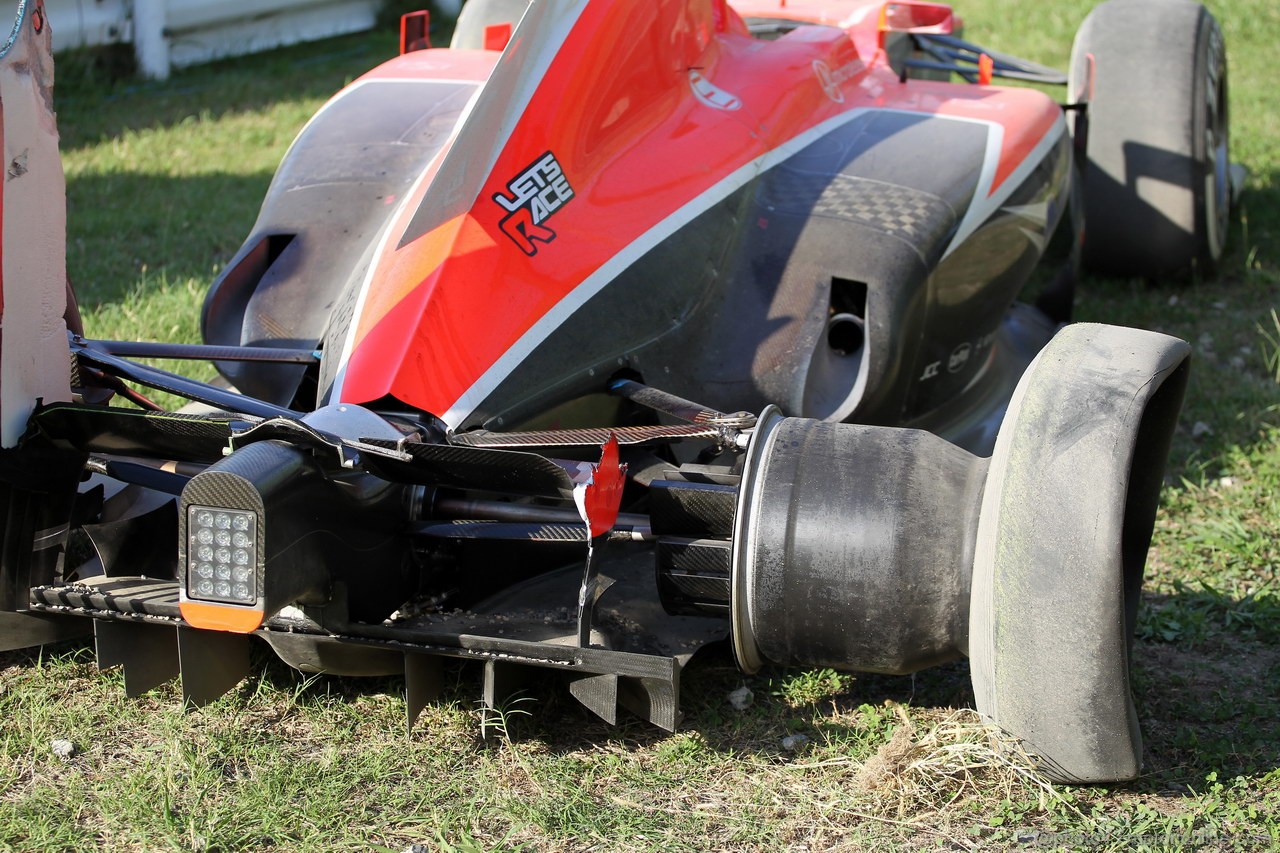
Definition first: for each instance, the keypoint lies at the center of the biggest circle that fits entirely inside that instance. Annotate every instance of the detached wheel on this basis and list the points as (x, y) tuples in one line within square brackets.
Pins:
[(1062, 537), (1157, 186)]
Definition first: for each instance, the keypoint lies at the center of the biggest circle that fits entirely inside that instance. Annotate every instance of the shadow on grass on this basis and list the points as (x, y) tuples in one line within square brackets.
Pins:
[(1209, 702), (1230, 392), (91, 109), (81, 650), (126, 228), (1207, 680)]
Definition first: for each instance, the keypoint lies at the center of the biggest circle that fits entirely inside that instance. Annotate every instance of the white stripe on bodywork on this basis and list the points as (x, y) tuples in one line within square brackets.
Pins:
[(986, 202)]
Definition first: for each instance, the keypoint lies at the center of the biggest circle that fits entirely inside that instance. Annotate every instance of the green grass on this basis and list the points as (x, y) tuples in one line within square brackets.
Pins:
[(164, 182)]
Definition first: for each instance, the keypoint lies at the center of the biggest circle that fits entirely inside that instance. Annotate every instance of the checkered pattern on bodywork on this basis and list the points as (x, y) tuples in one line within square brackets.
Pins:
[(917, 217)]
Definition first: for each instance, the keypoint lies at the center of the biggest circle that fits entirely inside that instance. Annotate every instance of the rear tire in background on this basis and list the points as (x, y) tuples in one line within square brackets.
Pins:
[(1157, 176), (1062, 538)]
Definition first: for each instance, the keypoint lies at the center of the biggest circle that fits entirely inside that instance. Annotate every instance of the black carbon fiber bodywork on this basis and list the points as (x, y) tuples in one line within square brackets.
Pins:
[(157, 435), (505, 471), (635, 660), (557, 534), (691, 509), (694, 575), (849, 231), (322, 220), (142, 599)]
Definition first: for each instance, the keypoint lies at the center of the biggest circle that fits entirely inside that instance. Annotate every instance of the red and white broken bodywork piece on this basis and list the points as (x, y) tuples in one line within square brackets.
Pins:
[(33, 355)]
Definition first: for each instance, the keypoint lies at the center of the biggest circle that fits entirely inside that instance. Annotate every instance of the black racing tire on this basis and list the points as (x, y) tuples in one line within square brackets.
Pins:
[(1156, 176), (1062, 538)]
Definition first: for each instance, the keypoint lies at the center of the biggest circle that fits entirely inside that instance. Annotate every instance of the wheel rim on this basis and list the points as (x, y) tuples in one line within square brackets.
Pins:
[(1217, 191)]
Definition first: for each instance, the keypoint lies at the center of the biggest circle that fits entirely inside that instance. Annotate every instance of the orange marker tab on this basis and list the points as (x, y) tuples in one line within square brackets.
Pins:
[(415, 32), (497, 36), (986, 70)]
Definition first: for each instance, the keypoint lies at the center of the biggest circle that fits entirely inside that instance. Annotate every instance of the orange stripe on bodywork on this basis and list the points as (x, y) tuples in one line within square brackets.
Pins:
[(406, 271), (217, 617)]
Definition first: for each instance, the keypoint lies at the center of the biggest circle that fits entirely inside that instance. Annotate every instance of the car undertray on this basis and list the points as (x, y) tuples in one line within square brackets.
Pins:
[(637, 650)]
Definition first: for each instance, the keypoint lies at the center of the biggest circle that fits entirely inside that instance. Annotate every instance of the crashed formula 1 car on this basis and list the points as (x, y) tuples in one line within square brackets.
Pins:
[(621, 327)]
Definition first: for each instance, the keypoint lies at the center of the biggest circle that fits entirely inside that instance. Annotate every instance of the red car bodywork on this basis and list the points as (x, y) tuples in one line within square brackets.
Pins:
[(617, 111)]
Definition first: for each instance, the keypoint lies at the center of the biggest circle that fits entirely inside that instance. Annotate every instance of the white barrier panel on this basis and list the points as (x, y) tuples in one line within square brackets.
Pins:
[(176, 33), (86, 23)]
